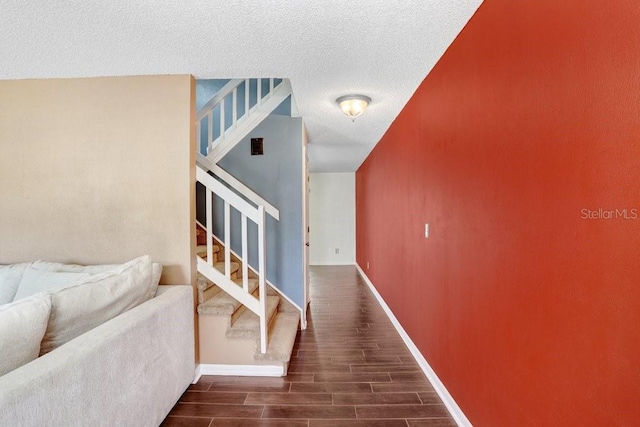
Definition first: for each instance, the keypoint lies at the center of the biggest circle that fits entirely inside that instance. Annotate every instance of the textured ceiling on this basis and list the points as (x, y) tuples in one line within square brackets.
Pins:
[(327, 48)]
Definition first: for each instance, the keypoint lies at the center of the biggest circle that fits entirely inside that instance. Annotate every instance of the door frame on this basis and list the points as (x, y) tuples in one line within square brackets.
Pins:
[(305, 227)]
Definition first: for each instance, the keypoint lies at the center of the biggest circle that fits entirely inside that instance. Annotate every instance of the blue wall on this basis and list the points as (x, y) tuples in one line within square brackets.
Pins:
[(277, 177), (205, 89), (284, 109)]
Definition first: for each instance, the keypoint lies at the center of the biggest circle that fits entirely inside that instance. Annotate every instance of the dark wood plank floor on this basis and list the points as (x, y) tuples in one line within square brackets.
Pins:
[(348, 368)]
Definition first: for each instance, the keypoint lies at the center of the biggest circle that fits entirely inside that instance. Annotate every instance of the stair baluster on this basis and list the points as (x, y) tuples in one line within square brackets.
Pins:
[(224, 280)]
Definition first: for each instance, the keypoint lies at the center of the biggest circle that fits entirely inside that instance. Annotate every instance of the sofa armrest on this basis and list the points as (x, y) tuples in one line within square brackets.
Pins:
[(164, 288), (128, 371)]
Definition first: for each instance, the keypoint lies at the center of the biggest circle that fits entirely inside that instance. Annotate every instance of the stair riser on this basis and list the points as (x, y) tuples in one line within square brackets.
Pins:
[(237, 351), (253, 334), (246, 324), (282, 335), (208, 294), (216, 257), (284, 306), (226, 324)]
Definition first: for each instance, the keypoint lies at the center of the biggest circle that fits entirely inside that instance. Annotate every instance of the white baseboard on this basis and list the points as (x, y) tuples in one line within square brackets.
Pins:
[(197, 375), (442, 391), (303, 318), (332, 263), (240, 370)]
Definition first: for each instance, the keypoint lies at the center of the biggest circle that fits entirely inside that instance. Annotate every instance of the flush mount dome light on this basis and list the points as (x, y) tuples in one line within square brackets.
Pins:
[(353, 105)]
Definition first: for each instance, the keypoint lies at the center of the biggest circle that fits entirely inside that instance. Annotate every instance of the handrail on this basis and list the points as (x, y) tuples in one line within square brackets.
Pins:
[(219, 96), (208, 165), (232, 198), (223, 280), (206, 113), (264, 106)]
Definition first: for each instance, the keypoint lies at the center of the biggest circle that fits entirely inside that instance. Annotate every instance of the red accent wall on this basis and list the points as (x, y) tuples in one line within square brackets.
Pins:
[(528, 312)]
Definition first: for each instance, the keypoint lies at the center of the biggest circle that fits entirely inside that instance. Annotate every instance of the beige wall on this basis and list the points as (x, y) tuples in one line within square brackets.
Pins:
[(98, 170)]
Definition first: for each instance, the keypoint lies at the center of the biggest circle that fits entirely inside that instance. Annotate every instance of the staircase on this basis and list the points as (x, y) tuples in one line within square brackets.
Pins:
[(235, 111), (226, 324), (245, 326)]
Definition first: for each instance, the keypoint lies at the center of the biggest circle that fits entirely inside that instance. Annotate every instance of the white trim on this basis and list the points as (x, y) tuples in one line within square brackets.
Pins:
[(442, 391), (306, 295), (332, 263), (218, 97), (248, 300), (197, 374), (229, 196), (268, 282), (303, 320), (241, 370), (262, 278), (209, 166), (255, 116)]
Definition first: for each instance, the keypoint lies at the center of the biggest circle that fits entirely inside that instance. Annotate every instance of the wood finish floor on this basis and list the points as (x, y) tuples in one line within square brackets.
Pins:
[(348, 368)]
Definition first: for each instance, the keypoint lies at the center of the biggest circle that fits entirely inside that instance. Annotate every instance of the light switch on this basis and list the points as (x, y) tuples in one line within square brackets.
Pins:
[(426, 231)]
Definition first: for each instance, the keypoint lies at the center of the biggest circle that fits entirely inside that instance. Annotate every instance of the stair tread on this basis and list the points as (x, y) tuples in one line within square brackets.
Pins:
[(220, 266), (202, 249), (204, 283), (206, 288), (248, 323), (282, 337), (223, 303)]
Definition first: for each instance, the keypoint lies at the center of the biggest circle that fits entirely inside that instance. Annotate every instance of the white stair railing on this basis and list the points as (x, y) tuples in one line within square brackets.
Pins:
[(213, 115), (205, 116), (238, 186), (223, 280), (220, 125)]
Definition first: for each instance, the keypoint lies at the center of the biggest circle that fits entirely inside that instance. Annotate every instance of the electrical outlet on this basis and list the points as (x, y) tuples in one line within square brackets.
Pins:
[(337, 251), (367, 265)]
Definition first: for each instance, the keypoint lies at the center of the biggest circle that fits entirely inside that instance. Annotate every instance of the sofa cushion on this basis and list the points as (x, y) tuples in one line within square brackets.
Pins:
[(156, 271), (96, 299), (73, 268), (35, 281), (22, 326), (10, 276)]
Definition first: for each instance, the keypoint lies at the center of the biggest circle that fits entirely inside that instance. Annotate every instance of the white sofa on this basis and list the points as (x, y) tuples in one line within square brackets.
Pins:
[(128, 371)]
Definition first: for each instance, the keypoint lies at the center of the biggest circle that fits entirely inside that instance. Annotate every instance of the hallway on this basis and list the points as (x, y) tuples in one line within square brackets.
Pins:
[(348, 368)]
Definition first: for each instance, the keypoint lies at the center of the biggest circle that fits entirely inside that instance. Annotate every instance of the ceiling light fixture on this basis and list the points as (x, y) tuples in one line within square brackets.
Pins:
[(353, 105)]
